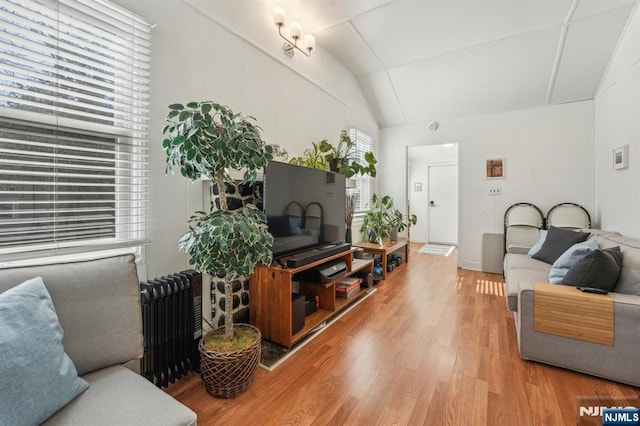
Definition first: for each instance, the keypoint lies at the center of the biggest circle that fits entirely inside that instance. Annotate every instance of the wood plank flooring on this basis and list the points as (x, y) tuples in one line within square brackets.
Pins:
[(435, 345)]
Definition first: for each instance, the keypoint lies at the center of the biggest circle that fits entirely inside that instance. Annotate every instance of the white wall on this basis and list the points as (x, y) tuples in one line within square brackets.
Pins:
[(617, 123), (196, 58), (548, 155)]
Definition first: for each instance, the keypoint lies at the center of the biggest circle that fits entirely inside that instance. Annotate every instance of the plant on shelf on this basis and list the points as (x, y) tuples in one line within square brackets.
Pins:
[(341, 159), (385, 220), (312, 157), (208, 139), (324, 156)]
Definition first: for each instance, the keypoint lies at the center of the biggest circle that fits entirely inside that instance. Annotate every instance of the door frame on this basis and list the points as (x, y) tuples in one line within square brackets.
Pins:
[(459, 191), (428, 185)]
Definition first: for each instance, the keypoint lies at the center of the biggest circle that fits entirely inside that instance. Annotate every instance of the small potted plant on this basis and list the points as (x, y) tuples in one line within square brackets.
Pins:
[(312, 157), (340, 158), (208, 139), (385, 220)]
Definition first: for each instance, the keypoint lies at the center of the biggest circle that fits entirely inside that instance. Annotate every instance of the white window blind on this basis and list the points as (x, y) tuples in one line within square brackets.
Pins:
[(364, 184), (74, 93)]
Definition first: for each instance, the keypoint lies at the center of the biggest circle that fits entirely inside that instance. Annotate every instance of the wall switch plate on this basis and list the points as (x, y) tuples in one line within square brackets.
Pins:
[(497, 190)]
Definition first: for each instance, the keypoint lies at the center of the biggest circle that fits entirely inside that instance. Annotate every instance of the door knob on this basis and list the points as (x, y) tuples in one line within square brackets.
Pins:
[(432, 204)]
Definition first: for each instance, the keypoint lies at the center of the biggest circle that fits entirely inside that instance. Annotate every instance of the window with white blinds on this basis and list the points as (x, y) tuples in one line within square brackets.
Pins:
[(364, 184), (74, 94)]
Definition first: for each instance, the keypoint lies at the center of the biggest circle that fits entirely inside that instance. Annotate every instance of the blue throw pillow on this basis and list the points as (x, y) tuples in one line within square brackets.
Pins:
[(537, 246), (37, 377), (569, 258)]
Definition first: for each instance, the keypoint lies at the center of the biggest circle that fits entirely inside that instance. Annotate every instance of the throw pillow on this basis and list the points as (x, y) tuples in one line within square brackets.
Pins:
[(295, 225), (569, 258), (38, 377), (279, 226), (558, 240), (599, 269), (536, 247)]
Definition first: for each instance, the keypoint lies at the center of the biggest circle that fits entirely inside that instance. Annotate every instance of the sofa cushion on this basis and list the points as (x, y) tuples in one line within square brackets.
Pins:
[(98, 305), (629, 280), (558, 240), (118, 396), (599, 269), (569, 258), (38, 377), (520, 268)]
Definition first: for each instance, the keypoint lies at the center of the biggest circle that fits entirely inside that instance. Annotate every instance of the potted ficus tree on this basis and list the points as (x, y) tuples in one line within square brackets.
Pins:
[(208, 139)]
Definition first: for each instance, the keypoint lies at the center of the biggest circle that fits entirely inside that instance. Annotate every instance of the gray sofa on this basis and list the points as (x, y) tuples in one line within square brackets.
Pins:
[(618, 362), (98, 306)]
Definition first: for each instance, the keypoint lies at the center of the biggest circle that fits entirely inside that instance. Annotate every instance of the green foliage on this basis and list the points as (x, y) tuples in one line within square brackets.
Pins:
[(205, 138), (324, 156), (228, 243), (312, 157), (384, 216), (340, 157)]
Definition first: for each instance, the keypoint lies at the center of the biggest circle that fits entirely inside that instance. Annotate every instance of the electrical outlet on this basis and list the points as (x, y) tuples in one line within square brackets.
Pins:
[(497, 190)]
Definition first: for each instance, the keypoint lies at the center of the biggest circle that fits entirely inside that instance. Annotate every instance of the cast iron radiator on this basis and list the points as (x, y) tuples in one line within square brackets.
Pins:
[(171, 326)]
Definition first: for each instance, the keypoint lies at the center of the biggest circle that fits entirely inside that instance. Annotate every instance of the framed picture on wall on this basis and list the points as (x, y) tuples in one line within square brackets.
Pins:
[(495, 168), (621, 157)]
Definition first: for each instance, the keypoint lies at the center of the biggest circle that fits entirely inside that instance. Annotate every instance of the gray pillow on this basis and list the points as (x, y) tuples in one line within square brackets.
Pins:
[(37, 377), (599, 269), (558, 240), (569, 258)]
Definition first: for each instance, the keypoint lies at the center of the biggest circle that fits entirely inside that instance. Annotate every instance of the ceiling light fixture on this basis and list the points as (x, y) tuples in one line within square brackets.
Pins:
[(295, 31)]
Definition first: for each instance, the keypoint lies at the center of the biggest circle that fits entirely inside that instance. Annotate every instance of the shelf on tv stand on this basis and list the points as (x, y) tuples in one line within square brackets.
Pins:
[(270, 298)]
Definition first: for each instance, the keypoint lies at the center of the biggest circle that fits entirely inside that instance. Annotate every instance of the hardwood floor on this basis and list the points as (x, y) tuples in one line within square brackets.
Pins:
[(435, 345)]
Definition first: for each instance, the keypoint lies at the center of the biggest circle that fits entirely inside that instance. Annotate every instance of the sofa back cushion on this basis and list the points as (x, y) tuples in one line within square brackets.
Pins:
[(98, 306)]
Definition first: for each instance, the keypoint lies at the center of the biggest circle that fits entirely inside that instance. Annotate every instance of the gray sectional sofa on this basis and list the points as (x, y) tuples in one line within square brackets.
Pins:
[(619, 362), (97, 303)]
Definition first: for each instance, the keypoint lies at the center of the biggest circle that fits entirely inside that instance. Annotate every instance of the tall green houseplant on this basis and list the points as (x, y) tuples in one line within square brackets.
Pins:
[(208, 139)]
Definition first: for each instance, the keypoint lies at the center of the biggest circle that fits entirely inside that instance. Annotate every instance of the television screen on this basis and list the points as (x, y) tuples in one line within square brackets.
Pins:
[(304, 207)]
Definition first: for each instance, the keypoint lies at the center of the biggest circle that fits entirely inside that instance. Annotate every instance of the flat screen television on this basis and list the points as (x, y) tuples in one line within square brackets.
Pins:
[(305, 207)]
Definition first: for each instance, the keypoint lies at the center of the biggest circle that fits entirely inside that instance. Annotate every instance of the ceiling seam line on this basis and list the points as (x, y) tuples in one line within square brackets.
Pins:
[(561, 43), (624, 32), (348, 20), (386, 71)]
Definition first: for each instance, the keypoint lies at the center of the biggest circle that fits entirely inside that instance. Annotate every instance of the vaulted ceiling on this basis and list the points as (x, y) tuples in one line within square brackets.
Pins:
[(422, 60)]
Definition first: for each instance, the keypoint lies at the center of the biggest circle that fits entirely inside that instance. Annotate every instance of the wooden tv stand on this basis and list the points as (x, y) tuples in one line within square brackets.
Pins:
[(270, 291)]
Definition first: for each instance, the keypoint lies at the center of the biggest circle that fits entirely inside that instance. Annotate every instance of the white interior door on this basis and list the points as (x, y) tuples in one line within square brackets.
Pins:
[(443, 204)]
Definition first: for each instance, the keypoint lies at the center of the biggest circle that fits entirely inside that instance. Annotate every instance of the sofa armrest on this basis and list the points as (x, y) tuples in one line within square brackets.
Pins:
[(617, 362)]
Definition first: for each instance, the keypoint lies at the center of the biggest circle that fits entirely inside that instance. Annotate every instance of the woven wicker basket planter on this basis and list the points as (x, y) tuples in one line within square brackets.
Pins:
[(229, 374)]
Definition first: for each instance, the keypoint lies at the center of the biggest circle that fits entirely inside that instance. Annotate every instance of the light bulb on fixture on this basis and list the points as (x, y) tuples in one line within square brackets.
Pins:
[(295, 31)]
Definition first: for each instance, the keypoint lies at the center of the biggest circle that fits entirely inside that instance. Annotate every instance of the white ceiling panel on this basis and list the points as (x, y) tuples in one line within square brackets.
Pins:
[(587, 51), (591, 7), (349, 48), (501, 76), (316, 15), (410, 30)]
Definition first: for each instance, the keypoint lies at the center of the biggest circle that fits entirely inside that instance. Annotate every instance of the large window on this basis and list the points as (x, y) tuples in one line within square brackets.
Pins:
[(364, 184), (74, 90)]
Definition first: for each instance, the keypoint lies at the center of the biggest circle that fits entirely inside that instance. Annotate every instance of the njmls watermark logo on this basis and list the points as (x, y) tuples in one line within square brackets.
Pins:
[(608, 411)]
